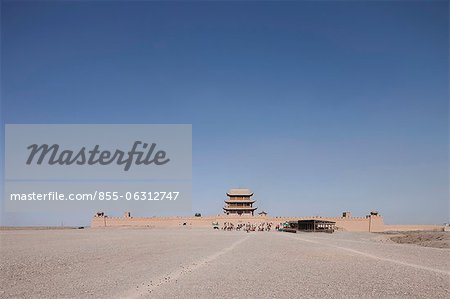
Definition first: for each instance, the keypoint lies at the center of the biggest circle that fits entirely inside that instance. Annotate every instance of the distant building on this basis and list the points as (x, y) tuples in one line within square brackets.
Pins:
[(239, 202)]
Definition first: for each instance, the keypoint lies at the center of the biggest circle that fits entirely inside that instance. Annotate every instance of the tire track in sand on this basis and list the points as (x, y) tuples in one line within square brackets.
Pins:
[(178, 273), (365, 254)]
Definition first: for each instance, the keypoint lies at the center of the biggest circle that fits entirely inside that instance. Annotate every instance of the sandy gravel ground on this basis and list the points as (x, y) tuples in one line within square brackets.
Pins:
[(427, 239), (190, 263)]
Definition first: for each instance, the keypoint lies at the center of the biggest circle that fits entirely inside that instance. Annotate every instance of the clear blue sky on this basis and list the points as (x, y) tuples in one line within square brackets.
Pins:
[(319, 107)]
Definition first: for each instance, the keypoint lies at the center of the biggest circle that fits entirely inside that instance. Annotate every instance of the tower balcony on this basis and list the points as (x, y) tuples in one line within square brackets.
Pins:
[(240, 208), (237, 201)]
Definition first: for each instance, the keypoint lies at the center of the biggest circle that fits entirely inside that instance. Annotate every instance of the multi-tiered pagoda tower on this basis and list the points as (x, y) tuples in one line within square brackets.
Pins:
[(239, 202)]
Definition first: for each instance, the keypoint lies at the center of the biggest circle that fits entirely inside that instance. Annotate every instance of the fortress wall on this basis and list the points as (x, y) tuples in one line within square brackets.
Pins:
[(157, 222), (352, 225), (376, 224), (372, 223), (345, 224), (403, 228), (145, 222), (98, 222)]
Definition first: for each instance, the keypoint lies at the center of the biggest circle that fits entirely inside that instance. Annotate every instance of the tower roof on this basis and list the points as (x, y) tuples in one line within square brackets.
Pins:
[(239, 192)]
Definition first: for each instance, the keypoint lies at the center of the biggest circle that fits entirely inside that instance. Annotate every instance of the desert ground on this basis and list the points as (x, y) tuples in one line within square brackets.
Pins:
[(427, 239), (202, 263)]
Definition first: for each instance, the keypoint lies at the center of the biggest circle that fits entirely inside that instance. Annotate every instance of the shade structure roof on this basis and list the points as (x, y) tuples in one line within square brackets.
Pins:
[(239, 192)]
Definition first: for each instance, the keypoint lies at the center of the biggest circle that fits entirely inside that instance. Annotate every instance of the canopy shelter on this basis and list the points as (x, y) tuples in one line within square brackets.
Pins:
[(313, 225)]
